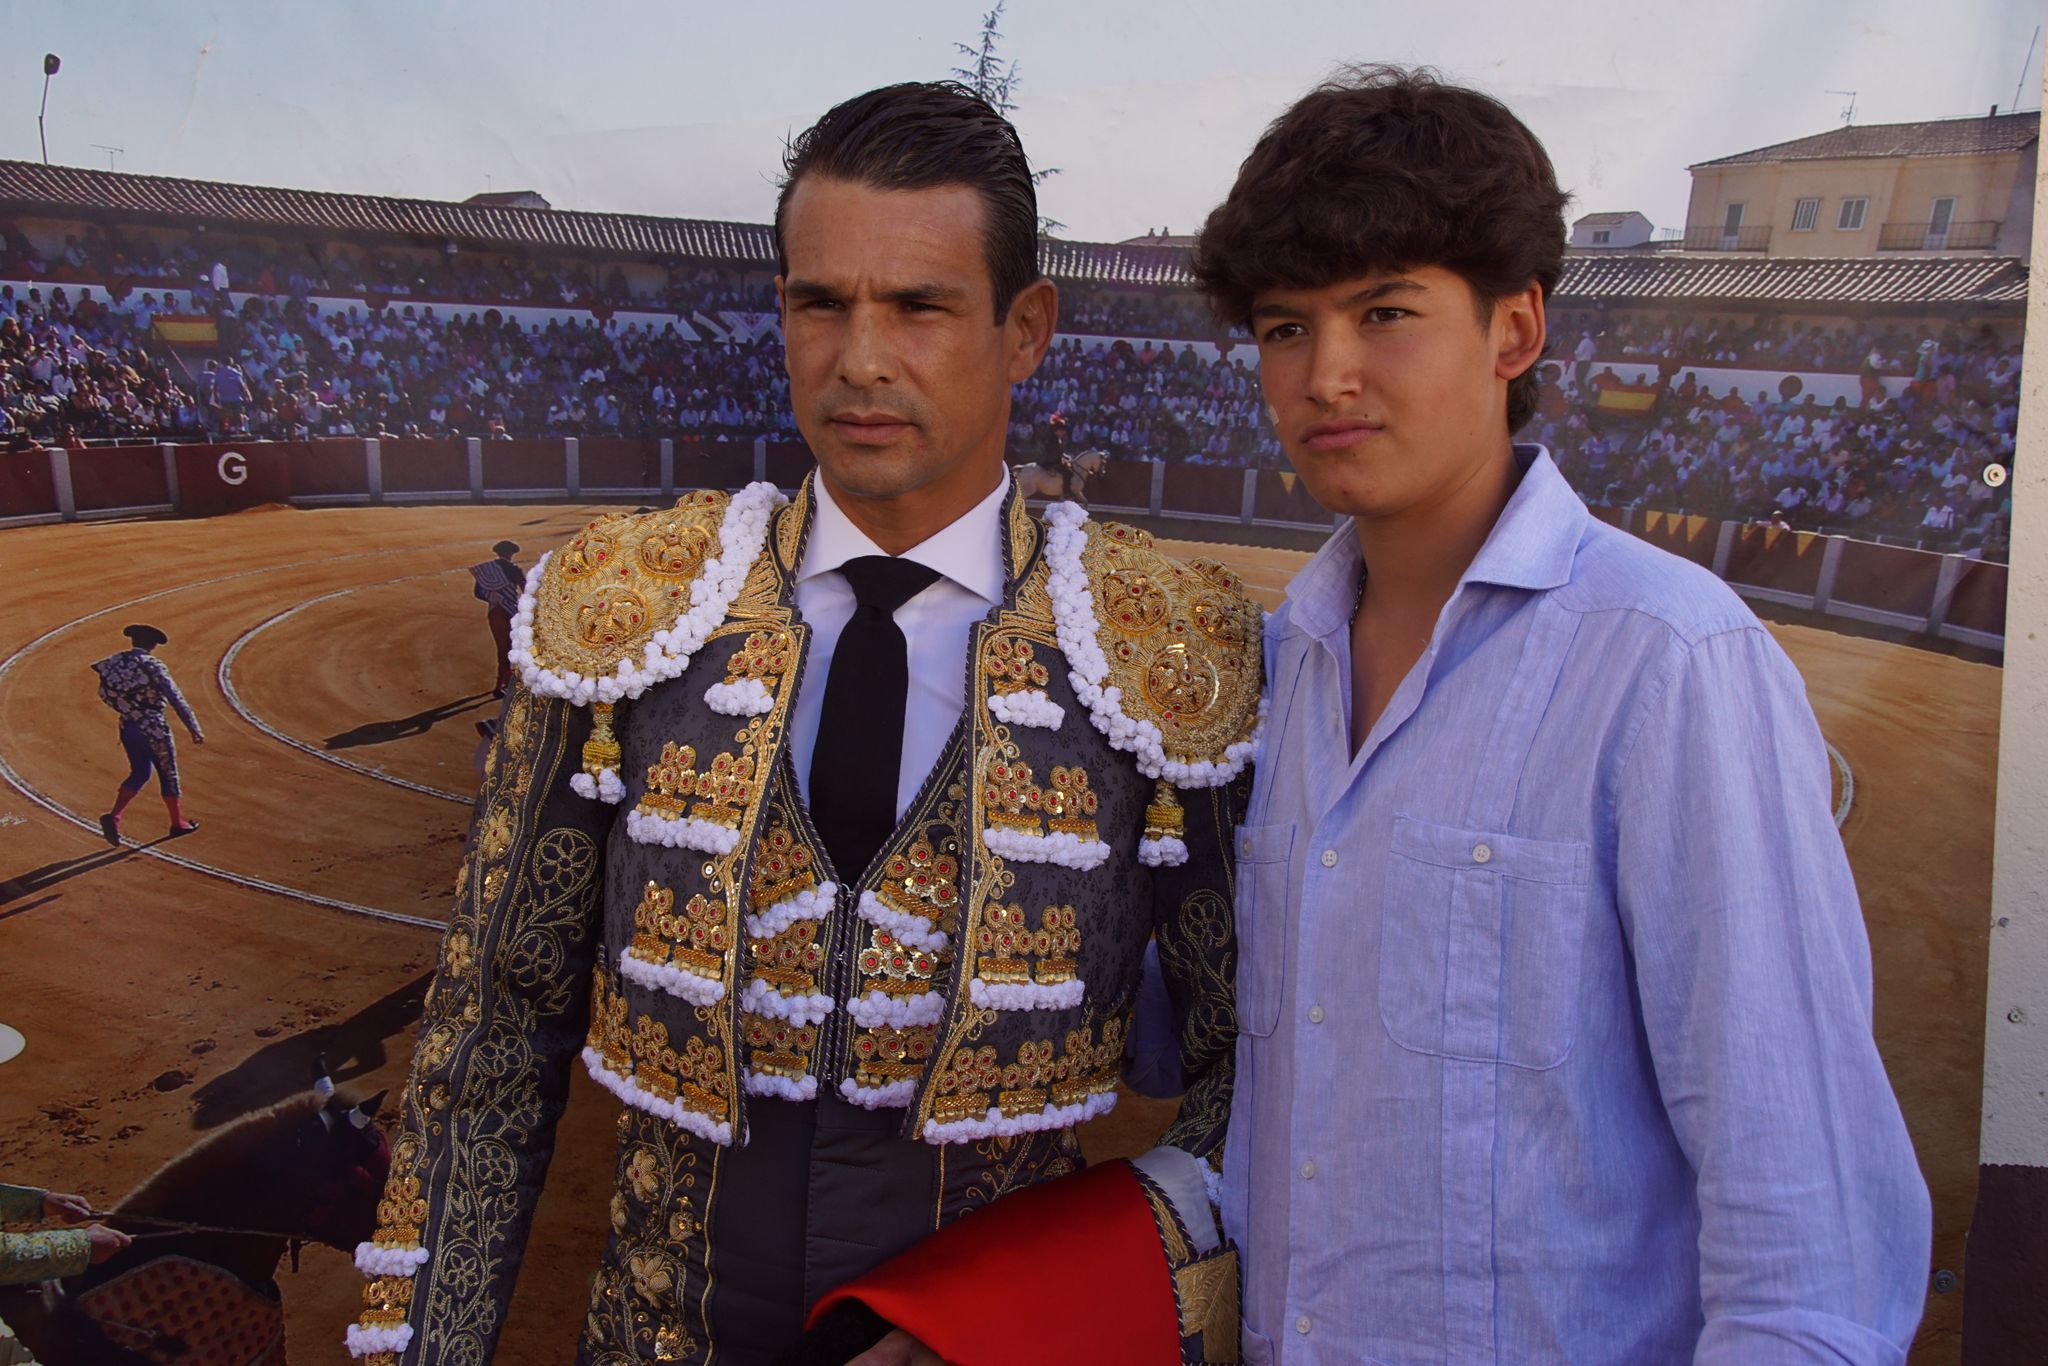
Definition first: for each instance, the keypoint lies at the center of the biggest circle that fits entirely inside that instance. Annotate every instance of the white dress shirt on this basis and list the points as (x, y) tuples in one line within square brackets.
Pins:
[(936, 624)]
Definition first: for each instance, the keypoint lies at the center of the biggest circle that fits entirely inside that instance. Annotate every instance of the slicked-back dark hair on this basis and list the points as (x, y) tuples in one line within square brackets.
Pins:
[(919, 136), (1383, 168)]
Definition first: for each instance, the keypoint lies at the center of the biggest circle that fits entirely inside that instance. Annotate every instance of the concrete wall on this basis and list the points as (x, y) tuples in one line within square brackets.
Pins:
[(2005, 1313), (1900, 190)]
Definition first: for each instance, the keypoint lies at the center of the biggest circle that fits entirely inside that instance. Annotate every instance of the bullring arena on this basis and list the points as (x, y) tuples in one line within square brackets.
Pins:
[(338, 663)]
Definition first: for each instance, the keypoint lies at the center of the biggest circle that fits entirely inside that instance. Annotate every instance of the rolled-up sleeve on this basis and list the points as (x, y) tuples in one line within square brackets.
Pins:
[(1754, 972)]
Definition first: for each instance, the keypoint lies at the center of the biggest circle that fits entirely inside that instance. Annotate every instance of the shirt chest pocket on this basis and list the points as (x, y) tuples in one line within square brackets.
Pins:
[(1264, 864), (1482, 936)]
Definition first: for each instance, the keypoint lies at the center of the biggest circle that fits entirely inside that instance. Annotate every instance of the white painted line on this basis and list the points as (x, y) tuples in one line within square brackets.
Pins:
[(1848, 783)]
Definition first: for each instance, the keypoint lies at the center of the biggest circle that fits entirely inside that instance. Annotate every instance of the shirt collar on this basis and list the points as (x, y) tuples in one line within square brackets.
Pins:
[(1531, 546), (968, 551)]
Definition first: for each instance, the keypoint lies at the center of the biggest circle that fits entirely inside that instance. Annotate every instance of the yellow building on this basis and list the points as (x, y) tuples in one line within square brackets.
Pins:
[(1942, 186)]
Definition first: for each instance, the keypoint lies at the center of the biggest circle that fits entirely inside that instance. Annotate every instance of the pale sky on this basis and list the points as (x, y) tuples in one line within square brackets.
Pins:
[(680, 107)]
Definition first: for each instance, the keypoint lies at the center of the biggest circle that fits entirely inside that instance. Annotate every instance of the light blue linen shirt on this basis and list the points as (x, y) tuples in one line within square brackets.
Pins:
[(1555, 999)]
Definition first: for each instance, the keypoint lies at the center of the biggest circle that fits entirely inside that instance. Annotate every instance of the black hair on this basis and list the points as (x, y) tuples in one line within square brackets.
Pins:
[(919, 136), (1384, 168)]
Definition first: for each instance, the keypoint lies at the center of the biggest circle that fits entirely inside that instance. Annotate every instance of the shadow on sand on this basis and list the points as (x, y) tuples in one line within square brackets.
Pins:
[(419, 723), (353, 1047)]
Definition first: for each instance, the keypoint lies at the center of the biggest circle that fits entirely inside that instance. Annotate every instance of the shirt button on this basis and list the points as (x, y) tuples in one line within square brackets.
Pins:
[(1329, 858), (1315, 1014), (1308, 1171), (1301, 1325), (1482, 853), (1244, 845)]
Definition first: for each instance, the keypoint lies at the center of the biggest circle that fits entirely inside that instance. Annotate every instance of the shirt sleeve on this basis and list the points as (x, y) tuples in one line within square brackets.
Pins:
[(162, 674), (47, 1256), (1754, 976), (20, 1202)]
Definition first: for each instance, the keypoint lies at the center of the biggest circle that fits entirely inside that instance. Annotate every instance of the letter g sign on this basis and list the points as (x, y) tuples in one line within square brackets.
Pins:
[(233, 468)]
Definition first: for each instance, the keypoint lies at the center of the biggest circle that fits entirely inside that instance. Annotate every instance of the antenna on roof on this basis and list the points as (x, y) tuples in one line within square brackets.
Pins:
[(111, 153), (2025, 62), (1849, 109)]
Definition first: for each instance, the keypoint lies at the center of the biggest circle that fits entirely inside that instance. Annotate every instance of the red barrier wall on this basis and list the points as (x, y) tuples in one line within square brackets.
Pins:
[(788, 463), (119, 477), (1691, 538), (213, 479), (612, 462), (1122, 483), (1979, 603), (1274, 501), (26, 486), (1205, 489), (720, 464), (1612, 516), (427, 465), (1767, 557), (529, 463), (325, 467), (1891, 578)]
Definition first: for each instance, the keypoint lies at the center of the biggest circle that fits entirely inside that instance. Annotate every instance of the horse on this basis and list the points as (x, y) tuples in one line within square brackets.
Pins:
[(204, 1293), (1036, 481)]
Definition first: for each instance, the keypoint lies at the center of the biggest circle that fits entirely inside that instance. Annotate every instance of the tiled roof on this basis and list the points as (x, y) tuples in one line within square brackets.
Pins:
[(1602, 220), (1614, 276), (1720, 278), (1928, 138), (1110, 263), (28, 185)]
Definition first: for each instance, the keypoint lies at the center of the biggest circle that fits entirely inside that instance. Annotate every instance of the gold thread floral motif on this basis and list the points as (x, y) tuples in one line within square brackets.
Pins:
[(1181, 640), (623, 577)]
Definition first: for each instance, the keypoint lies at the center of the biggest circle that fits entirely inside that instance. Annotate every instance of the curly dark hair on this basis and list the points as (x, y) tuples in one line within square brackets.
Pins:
[(918, 136), (1384, 168)]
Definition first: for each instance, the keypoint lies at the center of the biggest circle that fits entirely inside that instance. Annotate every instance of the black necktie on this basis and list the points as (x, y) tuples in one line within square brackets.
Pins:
[(859, 751)]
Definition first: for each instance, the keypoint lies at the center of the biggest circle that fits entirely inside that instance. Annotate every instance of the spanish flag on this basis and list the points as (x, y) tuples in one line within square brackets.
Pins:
[(185, 329), (1627, 398)]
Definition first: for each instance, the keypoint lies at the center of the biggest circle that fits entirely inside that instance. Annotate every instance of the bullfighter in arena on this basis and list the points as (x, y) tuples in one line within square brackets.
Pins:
[(136, 685), (830, 833), (497, 586)]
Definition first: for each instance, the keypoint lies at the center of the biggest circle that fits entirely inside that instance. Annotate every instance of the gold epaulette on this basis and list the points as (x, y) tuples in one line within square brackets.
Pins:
[(1182, 644), (594, 606)]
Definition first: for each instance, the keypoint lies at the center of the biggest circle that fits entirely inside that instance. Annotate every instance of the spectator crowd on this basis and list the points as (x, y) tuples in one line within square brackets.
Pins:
[(430, 351)]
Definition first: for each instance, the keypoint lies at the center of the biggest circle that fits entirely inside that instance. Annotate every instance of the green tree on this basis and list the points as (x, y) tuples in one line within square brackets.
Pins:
[(996, 79)]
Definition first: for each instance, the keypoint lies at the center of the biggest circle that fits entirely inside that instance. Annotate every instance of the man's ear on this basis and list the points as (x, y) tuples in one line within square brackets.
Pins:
[(1520, 328), (1034, 313)]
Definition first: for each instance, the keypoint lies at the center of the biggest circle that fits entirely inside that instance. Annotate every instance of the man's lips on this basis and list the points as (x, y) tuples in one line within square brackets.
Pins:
[(1335, 436), (869, 428)]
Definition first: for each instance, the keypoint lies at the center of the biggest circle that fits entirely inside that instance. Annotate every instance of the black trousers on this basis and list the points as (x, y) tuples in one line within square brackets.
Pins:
[(822, 1192)]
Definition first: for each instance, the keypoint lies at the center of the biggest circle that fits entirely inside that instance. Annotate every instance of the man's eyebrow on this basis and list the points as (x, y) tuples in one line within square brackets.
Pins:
[(930, 293), (1386, 289), (1370, 294)]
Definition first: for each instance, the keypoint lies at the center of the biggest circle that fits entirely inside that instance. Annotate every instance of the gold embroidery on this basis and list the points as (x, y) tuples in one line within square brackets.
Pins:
[(694, 941), (1208, 1295), (892, 1054), (721, 792), (777, 1046), (647, 1299), (763, 655), (1008, 951), (1011, 798), (601, 750), (1011, 665), (782, 866), (1164, 817), (922, 880), (623, 577), (1069, 802), (790, 961), (1182, 642)]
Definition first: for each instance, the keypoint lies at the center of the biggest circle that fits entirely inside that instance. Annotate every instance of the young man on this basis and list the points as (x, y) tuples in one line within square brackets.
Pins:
[(831, 832), (498, 582), (1554, 994)]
